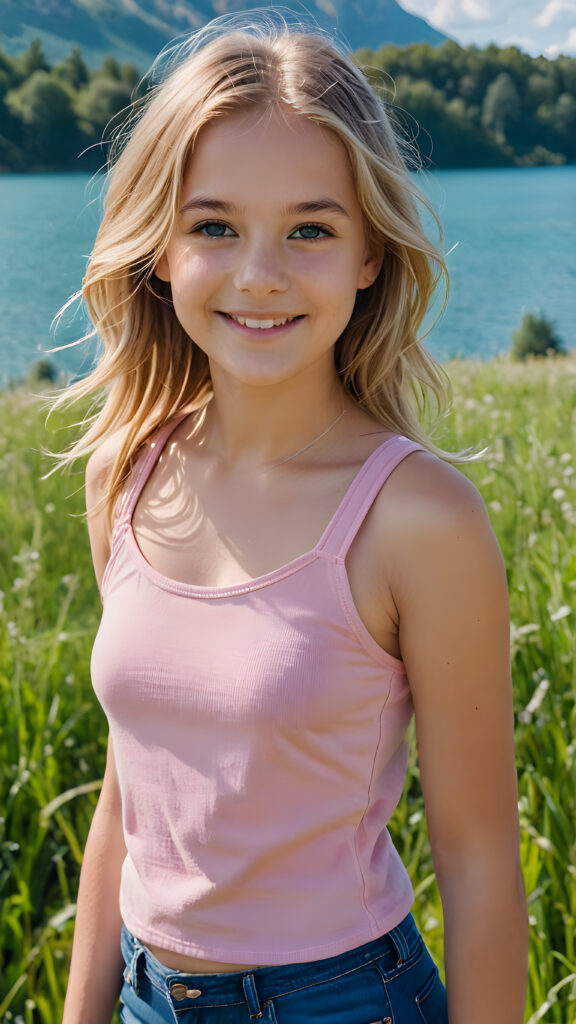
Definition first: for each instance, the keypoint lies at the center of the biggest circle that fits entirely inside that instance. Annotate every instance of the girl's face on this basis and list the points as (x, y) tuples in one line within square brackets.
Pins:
[(269, 246)]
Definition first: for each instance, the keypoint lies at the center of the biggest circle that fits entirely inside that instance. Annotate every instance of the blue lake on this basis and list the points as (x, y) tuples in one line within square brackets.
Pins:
[(512, 233)]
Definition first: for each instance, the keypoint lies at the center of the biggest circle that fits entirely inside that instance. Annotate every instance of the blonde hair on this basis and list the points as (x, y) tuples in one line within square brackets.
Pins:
[(150, 368)]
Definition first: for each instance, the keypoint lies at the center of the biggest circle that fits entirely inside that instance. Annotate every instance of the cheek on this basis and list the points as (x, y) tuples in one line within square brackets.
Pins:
[(333, 283), (334, 273), (194, 273)]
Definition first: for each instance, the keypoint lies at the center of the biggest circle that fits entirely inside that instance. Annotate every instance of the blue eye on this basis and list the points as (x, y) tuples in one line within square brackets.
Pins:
[(311, 232), (213, 229)]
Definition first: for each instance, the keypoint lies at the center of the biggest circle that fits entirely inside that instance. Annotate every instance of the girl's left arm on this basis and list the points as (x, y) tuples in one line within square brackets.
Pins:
[(451, 595)]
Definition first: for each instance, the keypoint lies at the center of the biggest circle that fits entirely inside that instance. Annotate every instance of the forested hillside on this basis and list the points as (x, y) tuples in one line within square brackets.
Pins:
[(463, 107), (481, 107)]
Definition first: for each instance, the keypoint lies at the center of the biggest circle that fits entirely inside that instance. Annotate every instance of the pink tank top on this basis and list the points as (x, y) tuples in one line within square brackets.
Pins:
[(259, 734)]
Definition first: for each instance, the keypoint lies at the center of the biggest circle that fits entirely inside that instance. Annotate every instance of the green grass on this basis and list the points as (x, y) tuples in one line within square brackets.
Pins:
[(53, 736)]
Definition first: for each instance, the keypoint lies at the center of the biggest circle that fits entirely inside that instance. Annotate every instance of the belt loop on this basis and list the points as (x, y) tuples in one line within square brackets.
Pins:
[(398, 939), (251, 996), (132, 977)]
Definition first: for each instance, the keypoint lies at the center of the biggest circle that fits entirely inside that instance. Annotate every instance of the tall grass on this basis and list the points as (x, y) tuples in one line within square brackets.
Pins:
[(53, 736)]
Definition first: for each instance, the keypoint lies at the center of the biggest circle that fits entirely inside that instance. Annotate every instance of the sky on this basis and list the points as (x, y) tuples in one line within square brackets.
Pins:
[(537, 26)]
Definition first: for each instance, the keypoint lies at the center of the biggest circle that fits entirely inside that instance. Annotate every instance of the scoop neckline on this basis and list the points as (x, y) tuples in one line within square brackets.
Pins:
[(257, 582)]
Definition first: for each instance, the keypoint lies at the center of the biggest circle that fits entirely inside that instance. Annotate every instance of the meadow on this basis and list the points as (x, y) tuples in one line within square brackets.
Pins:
[(53, 734)]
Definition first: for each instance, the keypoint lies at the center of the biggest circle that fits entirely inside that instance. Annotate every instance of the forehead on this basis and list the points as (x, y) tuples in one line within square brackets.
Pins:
[(268, 151)]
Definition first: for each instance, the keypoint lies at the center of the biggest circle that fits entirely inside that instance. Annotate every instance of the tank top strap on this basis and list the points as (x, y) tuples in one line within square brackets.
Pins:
[(362, 493), (144, 465)]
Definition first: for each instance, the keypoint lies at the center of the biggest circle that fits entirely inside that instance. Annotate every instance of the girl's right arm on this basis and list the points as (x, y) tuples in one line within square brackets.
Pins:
[(97, 964)]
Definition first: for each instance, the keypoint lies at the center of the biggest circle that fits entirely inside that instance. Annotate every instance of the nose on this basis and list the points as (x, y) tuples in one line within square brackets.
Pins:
[(261, 268)]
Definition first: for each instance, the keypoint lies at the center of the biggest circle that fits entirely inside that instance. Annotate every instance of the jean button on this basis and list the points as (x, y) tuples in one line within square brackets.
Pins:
[(180, 991)]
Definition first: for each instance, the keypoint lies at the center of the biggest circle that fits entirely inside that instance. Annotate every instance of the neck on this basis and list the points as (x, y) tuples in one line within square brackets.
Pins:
[(256, 427)]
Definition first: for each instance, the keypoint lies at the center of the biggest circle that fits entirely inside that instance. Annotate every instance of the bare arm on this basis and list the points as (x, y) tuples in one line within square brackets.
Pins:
[(96, 967), (450, 591)]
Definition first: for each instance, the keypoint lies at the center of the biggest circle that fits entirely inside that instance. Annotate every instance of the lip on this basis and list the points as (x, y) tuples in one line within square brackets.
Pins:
[(261, 332)]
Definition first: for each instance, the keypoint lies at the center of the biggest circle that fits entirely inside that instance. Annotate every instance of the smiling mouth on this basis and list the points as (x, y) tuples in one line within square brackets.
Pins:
[(262, 325)]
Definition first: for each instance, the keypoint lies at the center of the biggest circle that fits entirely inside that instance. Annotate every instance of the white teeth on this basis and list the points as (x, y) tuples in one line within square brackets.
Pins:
[(260, 324)]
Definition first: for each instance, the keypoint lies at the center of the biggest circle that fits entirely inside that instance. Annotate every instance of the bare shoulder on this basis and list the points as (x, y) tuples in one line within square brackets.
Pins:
[(431, 533), (428, 499)]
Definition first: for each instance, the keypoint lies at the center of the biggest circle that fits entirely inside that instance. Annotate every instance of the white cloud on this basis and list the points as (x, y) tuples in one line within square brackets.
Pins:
[(477, 11), (566, 46), (448, 13), (538, 26), (550, 12)]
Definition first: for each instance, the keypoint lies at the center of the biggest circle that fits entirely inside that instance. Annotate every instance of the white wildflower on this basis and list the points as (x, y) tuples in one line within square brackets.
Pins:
[(558, 493), (496, 506), (566, 457), (535, 701), (18, 583), (62, 637), (561, 613), (488, 398), (568, 472), (50, 507), (530, 627)]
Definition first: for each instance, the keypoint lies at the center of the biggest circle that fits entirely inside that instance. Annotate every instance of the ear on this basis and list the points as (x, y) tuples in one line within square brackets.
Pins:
[(370, 268), (162, 269)]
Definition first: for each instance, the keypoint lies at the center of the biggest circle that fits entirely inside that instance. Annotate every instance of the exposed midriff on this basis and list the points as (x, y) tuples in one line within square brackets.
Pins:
[(193, 964)]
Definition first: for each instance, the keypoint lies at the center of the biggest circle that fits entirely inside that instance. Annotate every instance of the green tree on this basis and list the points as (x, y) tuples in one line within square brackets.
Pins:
[(541, 88), (536, 336), (101, 101), (130, 75), (44, 106), (73, 69), (501, 108), (111, 69), (32, 60)]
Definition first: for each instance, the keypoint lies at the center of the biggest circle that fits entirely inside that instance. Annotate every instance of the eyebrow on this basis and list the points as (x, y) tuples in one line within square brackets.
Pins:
[(325, 204)]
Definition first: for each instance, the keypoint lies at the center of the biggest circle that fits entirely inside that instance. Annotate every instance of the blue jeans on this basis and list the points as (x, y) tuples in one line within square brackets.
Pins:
[(391, 980)]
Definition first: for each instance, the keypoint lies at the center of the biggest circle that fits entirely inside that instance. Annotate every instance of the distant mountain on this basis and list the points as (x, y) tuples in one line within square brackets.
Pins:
[(135, 30)]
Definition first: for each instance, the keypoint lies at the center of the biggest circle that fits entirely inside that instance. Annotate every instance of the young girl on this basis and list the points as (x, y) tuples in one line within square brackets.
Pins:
[(288, 568)]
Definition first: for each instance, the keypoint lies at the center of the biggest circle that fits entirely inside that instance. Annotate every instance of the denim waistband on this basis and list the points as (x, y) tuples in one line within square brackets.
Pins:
[(186, 991)]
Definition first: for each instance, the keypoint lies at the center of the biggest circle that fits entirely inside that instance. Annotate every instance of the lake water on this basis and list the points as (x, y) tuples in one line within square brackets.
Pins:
[(514, 232)]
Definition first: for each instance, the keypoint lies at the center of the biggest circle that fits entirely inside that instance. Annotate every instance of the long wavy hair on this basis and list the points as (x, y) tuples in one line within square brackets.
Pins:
[(150, 369)]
